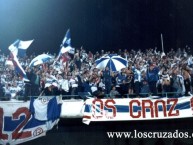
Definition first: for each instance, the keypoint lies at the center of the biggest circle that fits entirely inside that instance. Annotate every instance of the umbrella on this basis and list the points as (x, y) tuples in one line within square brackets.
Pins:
[(40, 59), (112, 61)]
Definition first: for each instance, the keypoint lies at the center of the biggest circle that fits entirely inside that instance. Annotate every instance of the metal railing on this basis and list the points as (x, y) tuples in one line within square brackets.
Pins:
[(106, 96)]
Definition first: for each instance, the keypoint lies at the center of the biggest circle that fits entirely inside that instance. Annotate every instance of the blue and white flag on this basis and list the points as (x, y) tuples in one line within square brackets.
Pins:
[(19, 47), (67, 39), (40, 59), (13, 54), (14, 47), (19, 122), (66, 45), (18, 67)]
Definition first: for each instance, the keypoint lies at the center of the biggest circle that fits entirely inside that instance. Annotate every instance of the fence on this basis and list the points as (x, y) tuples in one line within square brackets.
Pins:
[(83, 95)]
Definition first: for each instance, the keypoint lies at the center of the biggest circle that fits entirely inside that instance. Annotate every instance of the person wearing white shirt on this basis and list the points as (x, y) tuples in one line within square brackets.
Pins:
[(74, 85), (14, 90), (178, 83), (6, 90), (64, 85)]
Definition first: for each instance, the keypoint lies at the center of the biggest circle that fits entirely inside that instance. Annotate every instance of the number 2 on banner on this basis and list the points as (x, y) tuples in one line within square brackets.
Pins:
[(16, 115)]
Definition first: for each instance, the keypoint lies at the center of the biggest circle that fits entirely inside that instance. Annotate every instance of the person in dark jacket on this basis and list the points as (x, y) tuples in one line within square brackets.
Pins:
[(152, 78), (107, 80), (27, 92), (35, 83)]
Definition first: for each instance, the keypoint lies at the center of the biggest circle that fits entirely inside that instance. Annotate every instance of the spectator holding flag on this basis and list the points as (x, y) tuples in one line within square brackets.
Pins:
[(65, 46), (84, 70)]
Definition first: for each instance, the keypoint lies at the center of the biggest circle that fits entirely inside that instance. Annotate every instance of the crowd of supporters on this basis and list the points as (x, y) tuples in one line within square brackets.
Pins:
[(149, 72)]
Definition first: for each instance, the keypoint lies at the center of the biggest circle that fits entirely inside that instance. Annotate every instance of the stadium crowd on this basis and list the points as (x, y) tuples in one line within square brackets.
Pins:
[(149, 72)]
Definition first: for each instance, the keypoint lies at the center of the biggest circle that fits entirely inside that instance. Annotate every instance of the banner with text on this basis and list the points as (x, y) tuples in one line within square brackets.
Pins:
[(137, 109)]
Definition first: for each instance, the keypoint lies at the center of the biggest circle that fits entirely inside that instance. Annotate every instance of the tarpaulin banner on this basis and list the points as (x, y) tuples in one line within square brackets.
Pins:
[(24, 121), (137, 109)]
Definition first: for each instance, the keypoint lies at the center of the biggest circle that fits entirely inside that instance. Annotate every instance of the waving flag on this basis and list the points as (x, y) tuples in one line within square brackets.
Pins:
[(40, 59), (22, 122), (67, 40), (65, 46), (19, 47), (14, 47), (23, 46), (18, 68)]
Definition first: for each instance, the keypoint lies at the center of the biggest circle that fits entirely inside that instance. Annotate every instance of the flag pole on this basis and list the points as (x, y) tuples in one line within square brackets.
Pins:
[(162, 42)]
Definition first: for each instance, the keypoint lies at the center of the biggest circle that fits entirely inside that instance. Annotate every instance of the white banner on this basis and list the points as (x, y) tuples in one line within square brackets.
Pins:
[(137, 109)]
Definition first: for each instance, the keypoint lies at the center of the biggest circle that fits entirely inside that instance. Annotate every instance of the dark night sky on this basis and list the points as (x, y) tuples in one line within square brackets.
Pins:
[(97, 24)]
